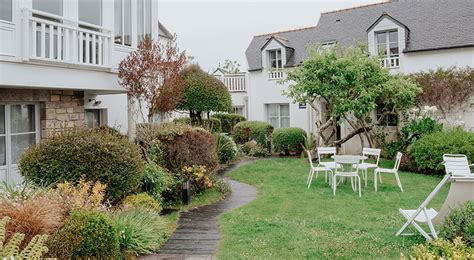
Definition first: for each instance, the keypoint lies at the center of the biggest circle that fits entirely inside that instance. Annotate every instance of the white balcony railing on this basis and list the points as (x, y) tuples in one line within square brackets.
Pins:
[(53, 38), (275, 74), (234, 82), (390, 62)]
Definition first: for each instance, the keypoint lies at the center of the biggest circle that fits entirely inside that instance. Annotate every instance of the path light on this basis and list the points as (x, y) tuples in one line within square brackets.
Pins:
[(186, 193)]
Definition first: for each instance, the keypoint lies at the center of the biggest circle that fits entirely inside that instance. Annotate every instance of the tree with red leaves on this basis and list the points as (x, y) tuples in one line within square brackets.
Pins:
[(151, 76)]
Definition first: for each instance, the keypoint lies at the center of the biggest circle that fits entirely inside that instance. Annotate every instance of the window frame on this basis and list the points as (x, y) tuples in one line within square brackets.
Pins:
[(388, 120), (279, 117), (12, 17), (142, 16), (278, 57), (122, 24), (387, 56), (102, 113), (101, 18)]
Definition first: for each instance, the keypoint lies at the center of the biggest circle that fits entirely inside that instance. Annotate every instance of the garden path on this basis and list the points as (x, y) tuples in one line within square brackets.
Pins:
[(198, 234)]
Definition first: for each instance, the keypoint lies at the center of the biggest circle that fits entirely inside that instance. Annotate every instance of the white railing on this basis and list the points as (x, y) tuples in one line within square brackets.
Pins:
[(234, 82), (390, 62), (53, 38), (275, 74)]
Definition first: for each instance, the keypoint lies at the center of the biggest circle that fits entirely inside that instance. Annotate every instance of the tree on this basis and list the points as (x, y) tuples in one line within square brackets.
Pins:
[(231, 67), (352, 85), (203, 93), (151, 76)]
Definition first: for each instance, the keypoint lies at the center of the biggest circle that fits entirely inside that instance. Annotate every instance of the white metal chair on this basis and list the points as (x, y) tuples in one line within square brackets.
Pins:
[(457, 164), (321, 151), (346, 166), (317, 169), (364, 166), (394, 171)]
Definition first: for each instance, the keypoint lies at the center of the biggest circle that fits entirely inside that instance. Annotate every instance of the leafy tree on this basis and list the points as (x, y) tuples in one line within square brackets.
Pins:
[(352, 85), (203, 93), (151, 76), (230, 66)]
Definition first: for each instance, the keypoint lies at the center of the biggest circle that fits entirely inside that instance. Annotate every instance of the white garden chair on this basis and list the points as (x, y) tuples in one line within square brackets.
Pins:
[(393, 171), (460, 191), (364, 166), (317, 169), (347, 166), (322, 151)]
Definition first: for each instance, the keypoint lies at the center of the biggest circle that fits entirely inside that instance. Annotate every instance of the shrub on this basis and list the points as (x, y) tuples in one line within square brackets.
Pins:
[(459, 223), (10, 249), (228, 121), (198, 176), (85, 234), (156, 181), (142, 200), (95, 155), (428, 150), (226, 148), (40, 214), (289, 140), (182, 145), (442, 249), (253, 130), (141, 230), (83, 196), (211, 124), (252, 148)]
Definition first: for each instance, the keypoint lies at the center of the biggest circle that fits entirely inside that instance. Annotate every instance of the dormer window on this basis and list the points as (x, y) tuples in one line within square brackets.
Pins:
[(388, 49), (275, 59)]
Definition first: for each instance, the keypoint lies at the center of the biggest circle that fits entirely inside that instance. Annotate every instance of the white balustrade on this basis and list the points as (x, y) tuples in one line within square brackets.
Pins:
[(390, 62), (275, 74), (234, 82), (54, 38)]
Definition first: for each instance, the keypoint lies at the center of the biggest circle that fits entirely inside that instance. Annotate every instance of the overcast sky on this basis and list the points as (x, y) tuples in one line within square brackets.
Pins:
[(213, 31)]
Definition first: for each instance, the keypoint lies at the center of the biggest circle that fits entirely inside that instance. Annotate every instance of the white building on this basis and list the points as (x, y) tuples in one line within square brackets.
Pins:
[(413, 36), (58, 67)]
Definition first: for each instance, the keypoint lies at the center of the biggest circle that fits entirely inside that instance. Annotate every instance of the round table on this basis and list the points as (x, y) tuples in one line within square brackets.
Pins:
[(343, 158)]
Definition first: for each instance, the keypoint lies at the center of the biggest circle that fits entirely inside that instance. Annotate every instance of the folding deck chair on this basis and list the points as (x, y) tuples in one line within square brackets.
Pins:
[(461, 190)]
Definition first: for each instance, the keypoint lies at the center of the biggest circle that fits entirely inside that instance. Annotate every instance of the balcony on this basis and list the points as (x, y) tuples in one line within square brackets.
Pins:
[(275, 74), (233, 82), (391, 62), (53, 39)]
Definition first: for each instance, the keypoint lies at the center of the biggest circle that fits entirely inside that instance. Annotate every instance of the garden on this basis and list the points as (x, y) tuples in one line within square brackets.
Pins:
[(95, 193)]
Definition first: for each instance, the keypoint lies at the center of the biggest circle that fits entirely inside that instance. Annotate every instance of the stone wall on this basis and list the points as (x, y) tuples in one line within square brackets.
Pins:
[(59, 109)]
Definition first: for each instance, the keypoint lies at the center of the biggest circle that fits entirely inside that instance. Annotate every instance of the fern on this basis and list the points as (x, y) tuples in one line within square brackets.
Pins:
[(34, 249)]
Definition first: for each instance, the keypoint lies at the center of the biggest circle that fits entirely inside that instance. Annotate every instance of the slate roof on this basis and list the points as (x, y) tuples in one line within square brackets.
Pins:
[(433, 24)]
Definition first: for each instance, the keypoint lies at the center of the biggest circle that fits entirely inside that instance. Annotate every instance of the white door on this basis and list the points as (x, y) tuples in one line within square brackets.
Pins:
[(20, 130)]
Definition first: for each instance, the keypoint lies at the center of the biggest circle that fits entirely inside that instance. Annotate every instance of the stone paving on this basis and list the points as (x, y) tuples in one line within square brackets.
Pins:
[(197, 234)]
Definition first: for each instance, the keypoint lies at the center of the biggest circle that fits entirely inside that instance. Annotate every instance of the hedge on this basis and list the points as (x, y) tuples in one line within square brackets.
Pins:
[(253, 130), (288, 140), (228, 121), (211, 124)]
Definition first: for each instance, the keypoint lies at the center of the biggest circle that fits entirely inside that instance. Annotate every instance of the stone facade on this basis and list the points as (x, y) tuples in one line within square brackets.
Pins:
[(59, 109)]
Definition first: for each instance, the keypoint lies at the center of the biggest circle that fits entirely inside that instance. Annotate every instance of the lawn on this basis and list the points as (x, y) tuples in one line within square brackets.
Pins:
[(288, 221)]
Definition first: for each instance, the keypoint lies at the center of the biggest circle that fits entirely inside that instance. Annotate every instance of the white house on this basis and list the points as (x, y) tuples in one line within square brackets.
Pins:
[(58, 67), (412, 36)]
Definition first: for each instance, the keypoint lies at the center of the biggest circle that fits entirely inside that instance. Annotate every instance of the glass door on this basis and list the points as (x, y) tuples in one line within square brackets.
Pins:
[(18, 130)]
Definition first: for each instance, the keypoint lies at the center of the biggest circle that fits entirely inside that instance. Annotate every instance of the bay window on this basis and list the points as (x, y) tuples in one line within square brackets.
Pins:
[(123, 22), (388, 49), (278, 115)]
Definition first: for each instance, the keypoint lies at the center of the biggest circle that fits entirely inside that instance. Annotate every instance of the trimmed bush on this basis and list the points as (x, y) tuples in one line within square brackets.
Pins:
[(94, 155), (181, 145), (142, 200), (141, 230), (85, 234), (288, 140), (253, 130), (211, 124), (428, 150), (228, 121), (156, 181), (252, 148), (459, 223), (226, 148)]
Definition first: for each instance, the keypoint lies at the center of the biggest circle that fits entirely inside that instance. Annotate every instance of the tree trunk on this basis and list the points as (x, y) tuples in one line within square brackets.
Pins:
[(352, 134)]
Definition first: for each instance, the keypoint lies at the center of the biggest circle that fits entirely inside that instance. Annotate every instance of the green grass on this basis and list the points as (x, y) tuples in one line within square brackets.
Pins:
[(288, 221)]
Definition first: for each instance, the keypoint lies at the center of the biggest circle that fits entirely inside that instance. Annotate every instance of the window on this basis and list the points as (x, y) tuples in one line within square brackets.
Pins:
[(275, 59), (49, 6), (123, 22), (278, 115), (327, 45), (387, 48), (90, 11), (6, 14), (238, 110), (388, 119), (96, 117), (143, 19)]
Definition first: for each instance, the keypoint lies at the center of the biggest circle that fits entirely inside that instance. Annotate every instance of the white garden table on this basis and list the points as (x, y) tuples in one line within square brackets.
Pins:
[(346, 160)]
